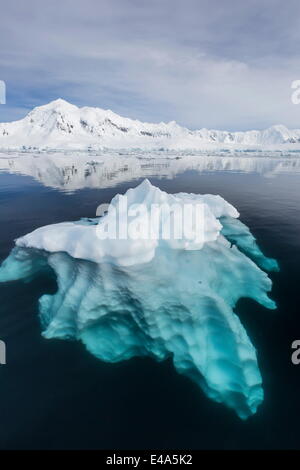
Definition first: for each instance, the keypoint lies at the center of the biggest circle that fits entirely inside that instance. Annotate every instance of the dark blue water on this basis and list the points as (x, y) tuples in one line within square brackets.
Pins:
[(54, 394)]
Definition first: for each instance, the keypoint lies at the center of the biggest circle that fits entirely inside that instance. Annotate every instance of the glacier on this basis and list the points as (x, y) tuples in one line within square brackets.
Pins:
[(60, 125), (156, 297)]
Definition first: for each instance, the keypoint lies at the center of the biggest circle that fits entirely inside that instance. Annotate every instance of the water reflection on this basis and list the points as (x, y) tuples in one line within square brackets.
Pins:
[(73, 172)]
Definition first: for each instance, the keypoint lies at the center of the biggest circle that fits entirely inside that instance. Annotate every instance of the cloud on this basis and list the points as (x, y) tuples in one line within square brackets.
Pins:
[(221, 64)]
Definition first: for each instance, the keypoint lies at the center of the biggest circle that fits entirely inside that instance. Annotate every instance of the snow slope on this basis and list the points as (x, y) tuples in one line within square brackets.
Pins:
[(61, 125)]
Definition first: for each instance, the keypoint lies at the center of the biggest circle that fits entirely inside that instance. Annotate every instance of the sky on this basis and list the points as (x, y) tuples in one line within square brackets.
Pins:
[(222, 64)]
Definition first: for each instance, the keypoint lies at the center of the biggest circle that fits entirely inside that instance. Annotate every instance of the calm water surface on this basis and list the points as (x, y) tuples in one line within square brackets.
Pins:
[(54, 394)]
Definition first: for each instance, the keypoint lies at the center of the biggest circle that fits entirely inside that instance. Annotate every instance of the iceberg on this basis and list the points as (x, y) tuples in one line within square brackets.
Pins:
[(157, 296)]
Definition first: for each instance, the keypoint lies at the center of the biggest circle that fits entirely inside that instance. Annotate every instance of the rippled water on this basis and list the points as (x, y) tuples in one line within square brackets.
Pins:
[(53, 394)]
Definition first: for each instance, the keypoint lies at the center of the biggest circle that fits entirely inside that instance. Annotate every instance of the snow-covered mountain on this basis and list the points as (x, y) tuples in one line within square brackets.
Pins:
[(61, 125)]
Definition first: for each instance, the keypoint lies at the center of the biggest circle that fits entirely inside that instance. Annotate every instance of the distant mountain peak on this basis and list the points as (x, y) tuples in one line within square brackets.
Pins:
[(55, 104), (59, 101)]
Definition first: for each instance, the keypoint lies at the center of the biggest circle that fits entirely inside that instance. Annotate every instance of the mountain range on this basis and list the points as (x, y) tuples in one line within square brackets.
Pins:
[(61, 125)]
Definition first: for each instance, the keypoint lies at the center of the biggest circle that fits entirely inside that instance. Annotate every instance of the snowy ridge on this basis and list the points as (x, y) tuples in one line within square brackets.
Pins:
[(61, 125)]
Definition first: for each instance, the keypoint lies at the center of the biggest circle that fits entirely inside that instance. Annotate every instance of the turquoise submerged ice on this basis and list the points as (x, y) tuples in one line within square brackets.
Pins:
[(158, 298)]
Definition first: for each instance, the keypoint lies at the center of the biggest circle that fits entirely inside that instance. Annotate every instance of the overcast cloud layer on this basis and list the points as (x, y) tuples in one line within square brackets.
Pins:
[(205, 63)]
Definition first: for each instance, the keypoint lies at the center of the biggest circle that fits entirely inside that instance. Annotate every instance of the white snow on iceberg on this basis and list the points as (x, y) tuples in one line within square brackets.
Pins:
[(158, 298)]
